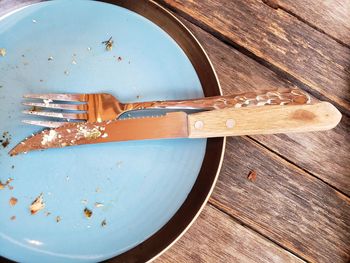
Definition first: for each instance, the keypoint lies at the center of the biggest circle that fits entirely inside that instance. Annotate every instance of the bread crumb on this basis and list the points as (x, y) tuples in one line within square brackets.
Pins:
[(13, 201), (2, 52), (37, 205), (252, 176), (87, 212)]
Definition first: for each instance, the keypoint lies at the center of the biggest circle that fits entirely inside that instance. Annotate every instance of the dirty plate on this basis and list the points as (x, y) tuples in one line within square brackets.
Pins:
[(132, 188)]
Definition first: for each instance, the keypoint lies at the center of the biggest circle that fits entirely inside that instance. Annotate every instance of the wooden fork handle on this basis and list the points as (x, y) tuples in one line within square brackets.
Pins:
[(280, 96), (263, 120)]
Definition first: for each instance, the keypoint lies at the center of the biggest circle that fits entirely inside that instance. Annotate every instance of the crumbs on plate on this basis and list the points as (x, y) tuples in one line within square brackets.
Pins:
[(97, 205), (5, 140), (108, 44), (87, 212), (3, 185), (13, 201), (2, 52), (37, 205), (104, 223), (58, 219)]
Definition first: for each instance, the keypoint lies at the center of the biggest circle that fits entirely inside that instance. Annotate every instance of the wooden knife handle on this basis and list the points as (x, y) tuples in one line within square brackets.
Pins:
[(263, 120)]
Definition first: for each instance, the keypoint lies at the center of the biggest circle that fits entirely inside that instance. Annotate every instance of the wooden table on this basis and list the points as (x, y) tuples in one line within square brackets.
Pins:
[(298, 208)]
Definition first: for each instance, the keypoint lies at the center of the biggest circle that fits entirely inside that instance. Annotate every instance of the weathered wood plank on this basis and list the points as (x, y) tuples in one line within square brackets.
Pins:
[(314, 152), (291, 207), (330, 17), (325, 154), (279, 39), (215, 237)]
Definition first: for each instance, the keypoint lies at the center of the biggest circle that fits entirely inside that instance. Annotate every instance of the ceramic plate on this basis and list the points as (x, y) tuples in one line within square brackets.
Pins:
[(56, 47)]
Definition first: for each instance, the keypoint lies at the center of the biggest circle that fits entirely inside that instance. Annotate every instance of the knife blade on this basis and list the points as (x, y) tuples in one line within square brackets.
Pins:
[(171, 125), (215, 123)]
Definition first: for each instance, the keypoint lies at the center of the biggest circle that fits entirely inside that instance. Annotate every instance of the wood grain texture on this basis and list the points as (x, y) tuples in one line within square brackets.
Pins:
[(215, 237), (330, 17), (289, 206), (278, 38), (271, 119), (314, 152), (325, 154)]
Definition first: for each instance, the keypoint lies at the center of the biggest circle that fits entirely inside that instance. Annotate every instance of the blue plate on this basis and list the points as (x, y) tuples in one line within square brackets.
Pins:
[(140, 184)]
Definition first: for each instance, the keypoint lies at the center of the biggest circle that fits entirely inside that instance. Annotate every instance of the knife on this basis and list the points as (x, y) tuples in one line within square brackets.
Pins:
[(215, 123)]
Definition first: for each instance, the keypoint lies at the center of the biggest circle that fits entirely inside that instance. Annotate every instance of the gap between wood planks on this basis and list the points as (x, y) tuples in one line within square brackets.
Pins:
[(258, 59), (275, 5), (219, 206), (289, 162)]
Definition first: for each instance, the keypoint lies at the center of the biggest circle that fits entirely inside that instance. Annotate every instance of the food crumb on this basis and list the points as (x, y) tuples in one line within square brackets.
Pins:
[(12, 167), (3, 185), (84, 201), (98, 189), (50, 58), (104, 223), (13, 218), (97, 205), (37, 205), (138, 97), (87, 212), (74, 62), (252, 176), (66, 72), (47, 213), (108, 43), (2, 52), (89, 48), (58, 219), (34, 21), (5, 140), (13, 201), (120, 59)]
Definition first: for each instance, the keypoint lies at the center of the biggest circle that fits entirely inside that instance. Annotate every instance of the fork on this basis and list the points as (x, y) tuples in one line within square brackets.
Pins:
[(103, 107)]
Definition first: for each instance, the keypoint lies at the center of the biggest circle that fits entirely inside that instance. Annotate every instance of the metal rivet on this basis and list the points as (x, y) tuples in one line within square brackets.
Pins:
[(198, 124), (230, 123)]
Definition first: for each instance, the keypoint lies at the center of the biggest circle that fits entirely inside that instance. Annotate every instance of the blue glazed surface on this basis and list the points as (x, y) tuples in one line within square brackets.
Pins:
[(141, 184)]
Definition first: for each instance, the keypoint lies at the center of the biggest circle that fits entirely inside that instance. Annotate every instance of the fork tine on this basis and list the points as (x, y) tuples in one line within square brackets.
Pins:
[(81, 107), (60, 115), (61, 97), (49, 124)]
